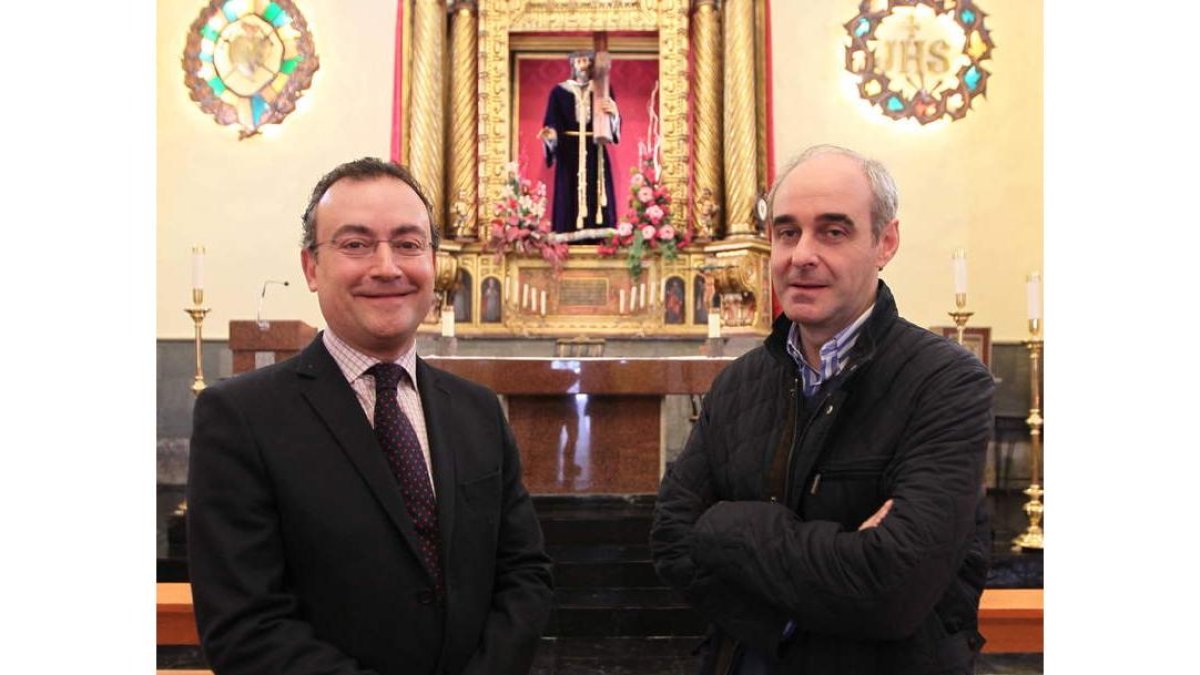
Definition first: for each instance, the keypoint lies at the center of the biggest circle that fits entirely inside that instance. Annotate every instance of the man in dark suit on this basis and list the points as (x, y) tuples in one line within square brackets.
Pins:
[(353, 509)]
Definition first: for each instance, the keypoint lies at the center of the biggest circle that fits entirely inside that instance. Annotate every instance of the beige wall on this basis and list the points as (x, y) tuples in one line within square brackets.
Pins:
[(243, 199), (976, 183)]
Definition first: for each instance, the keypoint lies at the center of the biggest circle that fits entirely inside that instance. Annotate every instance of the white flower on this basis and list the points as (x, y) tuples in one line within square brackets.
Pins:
[(624, 229)]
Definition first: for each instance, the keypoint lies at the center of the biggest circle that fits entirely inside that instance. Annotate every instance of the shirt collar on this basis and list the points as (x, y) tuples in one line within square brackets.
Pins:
[(354, 364), (834, 353)]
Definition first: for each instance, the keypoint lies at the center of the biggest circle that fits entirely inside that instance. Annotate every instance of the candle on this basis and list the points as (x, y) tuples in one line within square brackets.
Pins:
[(642, 301), (622, 296), (1033, 290), (197, 267), (543, 303), (524, 296), (960, 271), (448, 322), (714, 325)]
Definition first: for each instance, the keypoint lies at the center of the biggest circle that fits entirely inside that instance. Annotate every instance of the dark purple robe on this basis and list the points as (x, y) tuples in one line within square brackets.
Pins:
[(560, 116)]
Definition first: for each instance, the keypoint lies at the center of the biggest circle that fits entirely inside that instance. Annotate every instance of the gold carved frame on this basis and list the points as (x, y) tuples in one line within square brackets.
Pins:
[(499, 20)]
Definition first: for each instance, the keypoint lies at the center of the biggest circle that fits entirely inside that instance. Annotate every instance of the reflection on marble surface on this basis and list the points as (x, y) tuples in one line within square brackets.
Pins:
[(587, 444)]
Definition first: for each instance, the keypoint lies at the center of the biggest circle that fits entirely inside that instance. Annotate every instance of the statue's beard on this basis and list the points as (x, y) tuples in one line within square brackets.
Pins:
[(582, 76)]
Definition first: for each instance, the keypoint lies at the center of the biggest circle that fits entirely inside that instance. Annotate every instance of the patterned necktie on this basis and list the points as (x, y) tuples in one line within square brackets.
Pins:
[(403, 452)]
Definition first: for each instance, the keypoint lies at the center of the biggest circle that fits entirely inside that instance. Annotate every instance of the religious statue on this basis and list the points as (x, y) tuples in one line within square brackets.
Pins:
[(460, 212), (706, 215), (580, 199)]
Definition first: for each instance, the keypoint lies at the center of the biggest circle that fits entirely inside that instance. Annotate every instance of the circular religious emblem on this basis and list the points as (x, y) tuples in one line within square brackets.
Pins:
[(247, 62), (920, 58)]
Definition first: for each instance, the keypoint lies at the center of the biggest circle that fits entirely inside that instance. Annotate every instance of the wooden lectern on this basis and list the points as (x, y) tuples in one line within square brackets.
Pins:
[(255, 345)]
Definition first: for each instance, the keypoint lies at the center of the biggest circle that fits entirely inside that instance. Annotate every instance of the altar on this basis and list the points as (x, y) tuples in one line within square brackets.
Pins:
[(589, 425)]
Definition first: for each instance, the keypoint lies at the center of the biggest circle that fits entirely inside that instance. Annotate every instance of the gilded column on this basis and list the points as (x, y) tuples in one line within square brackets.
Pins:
[(706, 197), (426, 131), (741, 164), (464, 94)]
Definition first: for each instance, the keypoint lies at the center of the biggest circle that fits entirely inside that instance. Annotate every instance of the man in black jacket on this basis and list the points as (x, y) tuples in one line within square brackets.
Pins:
[(826, 514)]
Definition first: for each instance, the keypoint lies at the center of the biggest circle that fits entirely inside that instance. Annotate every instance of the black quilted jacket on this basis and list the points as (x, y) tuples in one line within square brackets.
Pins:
[(908, 419)]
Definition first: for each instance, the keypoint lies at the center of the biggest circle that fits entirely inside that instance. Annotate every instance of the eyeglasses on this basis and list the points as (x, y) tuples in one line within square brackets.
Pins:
[(364, 247)]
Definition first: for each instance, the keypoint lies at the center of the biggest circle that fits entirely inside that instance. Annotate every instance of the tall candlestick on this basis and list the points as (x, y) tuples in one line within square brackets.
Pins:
[(197, 267), (1033, 291), (960, 271)]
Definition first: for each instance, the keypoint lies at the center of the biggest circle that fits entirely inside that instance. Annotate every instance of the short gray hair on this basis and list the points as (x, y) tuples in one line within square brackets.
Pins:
[(885, 201)]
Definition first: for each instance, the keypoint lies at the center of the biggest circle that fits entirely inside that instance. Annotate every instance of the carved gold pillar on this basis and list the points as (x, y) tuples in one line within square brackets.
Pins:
[(426, 136), (464, 97), (706, 41), (741, 170)]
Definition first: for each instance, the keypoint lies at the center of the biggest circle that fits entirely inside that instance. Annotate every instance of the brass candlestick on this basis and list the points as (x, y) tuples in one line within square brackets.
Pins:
[(1032, 537), (197, 313), (960, 317)]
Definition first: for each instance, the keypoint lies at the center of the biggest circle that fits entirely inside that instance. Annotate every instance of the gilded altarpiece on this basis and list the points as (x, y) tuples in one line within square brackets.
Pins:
[(516, 295)]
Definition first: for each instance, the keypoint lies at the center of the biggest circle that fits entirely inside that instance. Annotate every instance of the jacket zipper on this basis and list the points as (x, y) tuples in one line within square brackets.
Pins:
[(797, 439)]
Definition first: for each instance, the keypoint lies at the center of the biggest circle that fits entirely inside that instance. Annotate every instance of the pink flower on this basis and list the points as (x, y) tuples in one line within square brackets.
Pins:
[(645, 195), (654, 213), (666, 233), (624, 229), (647, 232), (638, 180)]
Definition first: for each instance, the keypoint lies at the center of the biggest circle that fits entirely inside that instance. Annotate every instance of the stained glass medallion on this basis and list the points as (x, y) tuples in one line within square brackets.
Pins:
[(919, 59), (247, 62)]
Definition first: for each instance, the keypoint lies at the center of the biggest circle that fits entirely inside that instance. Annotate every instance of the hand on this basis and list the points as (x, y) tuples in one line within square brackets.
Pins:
[(609, 106), (877, 517), (548, 134)]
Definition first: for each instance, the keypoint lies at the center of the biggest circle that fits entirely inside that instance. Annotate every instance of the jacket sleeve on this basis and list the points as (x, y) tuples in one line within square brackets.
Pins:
[(523, 589), (685, 494), (248, 623), (878, 583)]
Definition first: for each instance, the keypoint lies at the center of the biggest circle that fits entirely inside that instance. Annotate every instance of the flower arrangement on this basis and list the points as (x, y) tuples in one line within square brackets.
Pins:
[(520, 225), (646, 227)]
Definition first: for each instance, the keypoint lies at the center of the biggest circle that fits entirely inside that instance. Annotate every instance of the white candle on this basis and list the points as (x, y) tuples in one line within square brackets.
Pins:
[(1033, 290), (543, 303), (714, 325), (622, 296), (960, 271), (524, 296), (642, 302), (448, 322), (197, 267)]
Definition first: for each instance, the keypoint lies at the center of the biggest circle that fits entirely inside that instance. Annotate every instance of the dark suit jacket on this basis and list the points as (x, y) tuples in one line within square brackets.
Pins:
[(303, 558)]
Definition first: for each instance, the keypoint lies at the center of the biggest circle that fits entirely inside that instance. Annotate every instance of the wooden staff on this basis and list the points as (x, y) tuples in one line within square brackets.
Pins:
[(601, 65)]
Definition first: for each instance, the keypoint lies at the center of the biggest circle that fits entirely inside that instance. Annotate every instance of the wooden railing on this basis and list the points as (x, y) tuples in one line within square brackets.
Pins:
[(1010, 619)]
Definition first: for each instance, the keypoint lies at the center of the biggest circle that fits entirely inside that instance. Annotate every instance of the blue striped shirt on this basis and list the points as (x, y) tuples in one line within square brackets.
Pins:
[(834, 354)]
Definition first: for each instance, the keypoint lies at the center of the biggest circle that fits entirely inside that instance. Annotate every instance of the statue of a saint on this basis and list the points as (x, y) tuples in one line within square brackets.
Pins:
[(581, 200)]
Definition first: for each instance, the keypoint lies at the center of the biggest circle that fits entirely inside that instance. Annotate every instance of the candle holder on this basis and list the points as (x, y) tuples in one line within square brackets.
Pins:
[(960, 317), (1032, 537), (197, 313)]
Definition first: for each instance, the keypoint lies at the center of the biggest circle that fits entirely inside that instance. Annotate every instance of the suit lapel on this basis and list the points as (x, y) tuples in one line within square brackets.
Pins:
[(435, 399), (325, 388)]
